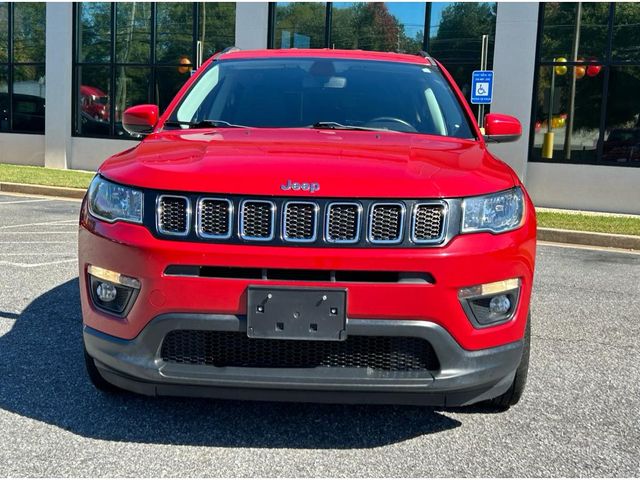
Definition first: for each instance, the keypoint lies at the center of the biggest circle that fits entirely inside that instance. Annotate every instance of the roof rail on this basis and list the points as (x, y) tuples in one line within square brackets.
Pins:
[(229, 50), (428, 57)]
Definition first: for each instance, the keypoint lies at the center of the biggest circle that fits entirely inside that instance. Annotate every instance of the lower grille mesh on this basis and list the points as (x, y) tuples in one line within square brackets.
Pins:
[(235, 349)]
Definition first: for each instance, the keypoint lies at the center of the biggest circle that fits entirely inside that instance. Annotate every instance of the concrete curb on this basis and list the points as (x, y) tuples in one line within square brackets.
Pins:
[(595, 239), (27, 189), (607, 240)]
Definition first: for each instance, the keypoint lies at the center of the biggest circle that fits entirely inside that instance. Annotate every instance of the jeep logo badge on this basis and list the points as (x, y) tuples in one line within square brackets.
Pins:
[(305, 187)]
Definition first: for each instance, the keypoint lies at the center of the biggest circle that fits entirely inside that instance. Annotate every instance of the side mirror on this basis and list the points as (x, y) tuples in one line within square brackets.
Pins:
[(140, 120), (499, 128)]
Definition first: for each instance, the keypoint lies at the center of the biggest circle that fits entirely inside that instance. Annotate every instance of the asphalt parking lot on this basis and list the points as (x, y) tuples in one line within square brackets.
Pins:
[(579, 416)]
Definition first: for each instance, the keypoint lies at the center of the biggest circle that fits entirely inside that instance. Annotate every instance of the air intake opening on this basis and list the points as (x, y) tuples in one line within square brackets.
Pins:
[(235, 349), (293, 274)]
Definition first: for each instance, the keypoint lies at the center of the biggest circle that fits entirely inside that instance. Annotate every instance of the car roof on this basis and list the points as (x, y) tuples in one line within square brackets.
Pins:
[(325, 53)]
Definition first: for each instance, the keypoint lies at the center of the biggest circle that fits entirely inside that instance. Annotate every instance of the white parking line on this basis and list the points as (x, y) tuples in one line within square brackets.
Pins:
[(50, 242), (30, 265), (13, 202), (56, 222), (37, 232), (589, 247), (34, 254)]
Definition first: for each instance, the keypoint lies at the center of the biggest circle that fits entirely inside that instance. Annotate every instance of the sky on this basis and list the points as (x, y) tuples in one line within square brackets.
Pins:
[(411, 14)]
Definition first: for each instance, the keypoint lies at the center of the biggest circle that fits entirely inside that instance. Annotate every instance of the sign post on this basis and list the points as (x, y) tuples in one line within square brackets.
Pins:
[(484, 59)]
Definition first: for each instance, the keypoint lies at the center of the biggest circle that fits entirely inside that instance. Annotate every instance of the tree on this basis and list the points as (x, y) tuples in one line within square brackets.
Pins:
[(300, 25), (459, 35)]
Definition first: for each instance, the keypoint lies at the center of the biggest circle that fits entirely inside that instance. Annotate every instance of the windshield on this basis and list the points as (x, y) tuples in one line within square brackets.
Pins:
[(323, 93)]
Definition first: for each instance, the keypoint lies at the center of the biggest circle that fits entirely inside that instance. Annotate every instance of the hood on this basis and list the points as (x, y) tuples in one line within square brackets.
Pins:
[(340, 163)]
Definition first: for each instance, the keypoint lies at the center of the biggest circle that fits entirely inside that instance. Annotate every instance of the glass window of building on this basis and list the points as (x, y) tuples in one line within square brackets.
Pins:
[(455, 38), (22, 67), (299, 25), (451, 31), (128, 53), (390, 27), (589, 61)]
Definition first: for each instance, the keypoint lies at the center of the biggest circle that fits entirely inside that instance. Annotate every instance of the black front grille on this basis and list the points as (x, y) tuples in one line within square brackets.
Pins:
[(343, 223), (235, 349), (257, 220), (214, 218), (428, 222), (386, 223), (173, 215), (300, 221)]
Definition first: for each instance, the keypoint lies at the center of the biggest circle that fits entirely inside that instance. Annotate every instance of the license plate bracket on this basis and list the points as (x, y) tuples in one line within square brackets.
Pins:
[(294, 313)]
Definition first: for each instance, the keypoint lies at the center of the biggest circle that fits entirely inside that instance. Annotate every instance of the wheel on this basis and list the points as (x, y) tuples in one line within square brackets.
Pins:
[(96, 378), (513, 395)]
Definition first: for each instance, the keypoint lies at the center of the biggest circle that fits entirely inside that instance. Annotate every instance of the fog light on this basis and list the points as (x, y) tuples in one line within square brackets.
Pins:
[(106, 292), (489, 304), (111, 291), (499, 305)]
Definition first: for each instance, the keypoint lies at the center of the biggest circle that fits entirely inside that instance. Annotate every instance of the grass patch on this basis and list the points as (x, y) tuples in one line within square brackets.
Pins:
[(44, 176), (590, 223)]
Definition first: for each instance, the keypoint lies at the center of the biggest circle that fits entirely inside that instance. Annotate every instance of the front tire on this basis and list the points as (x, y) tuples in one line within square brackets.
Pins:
[(96, 378), (513, 395)]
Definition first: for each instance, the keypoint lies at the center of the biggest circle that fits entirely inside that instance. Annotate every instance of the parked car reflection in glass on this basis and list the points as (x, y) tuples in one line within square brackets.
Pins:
[(28, 113), (622, 145), (94, 102)]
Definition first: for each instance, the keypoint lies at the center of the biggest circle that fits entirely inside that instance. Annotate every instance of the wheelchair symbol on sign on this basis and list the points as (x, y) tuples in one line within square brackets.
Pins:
[(482, 89)]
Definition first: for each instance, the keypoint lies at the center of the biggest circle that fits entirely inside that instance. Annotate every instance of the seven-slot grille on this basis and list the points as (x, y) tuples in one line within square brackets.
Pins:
[(318, 222), (173, 215), (428, 219), (299, 224), (257, 220), (386, 223)]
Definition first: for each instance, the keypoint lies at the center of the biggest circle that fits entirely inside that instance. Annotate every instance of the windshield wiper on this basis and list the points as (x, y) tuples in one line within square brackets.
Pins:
[(204, 124), (340, 126)]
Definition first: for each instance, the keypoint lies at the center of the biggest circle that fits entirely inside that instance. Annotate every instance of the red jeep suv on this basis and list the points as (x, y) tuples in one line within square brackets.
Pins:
[(310, 225)]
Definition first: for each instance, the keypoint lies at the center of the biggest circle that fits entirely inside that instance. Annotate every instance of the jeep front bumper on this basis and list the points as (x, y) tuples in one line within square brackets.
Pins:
[(463, 377)]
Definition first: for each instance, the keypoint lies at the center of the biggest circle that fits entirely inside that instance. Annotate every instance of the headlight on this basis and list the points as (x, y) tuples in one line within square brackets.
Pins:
[(110, 202), (497, 213)]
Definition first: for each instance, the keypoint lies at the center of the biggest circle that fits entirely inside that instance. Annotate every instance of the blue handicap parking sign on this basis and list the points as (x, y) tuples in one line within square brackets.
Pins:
[(482, 86)]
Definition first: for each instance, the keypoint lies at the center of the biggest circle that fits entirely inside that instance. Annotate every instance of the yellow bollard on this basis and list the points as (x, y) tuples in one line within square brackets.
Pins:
[(547, 145)]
